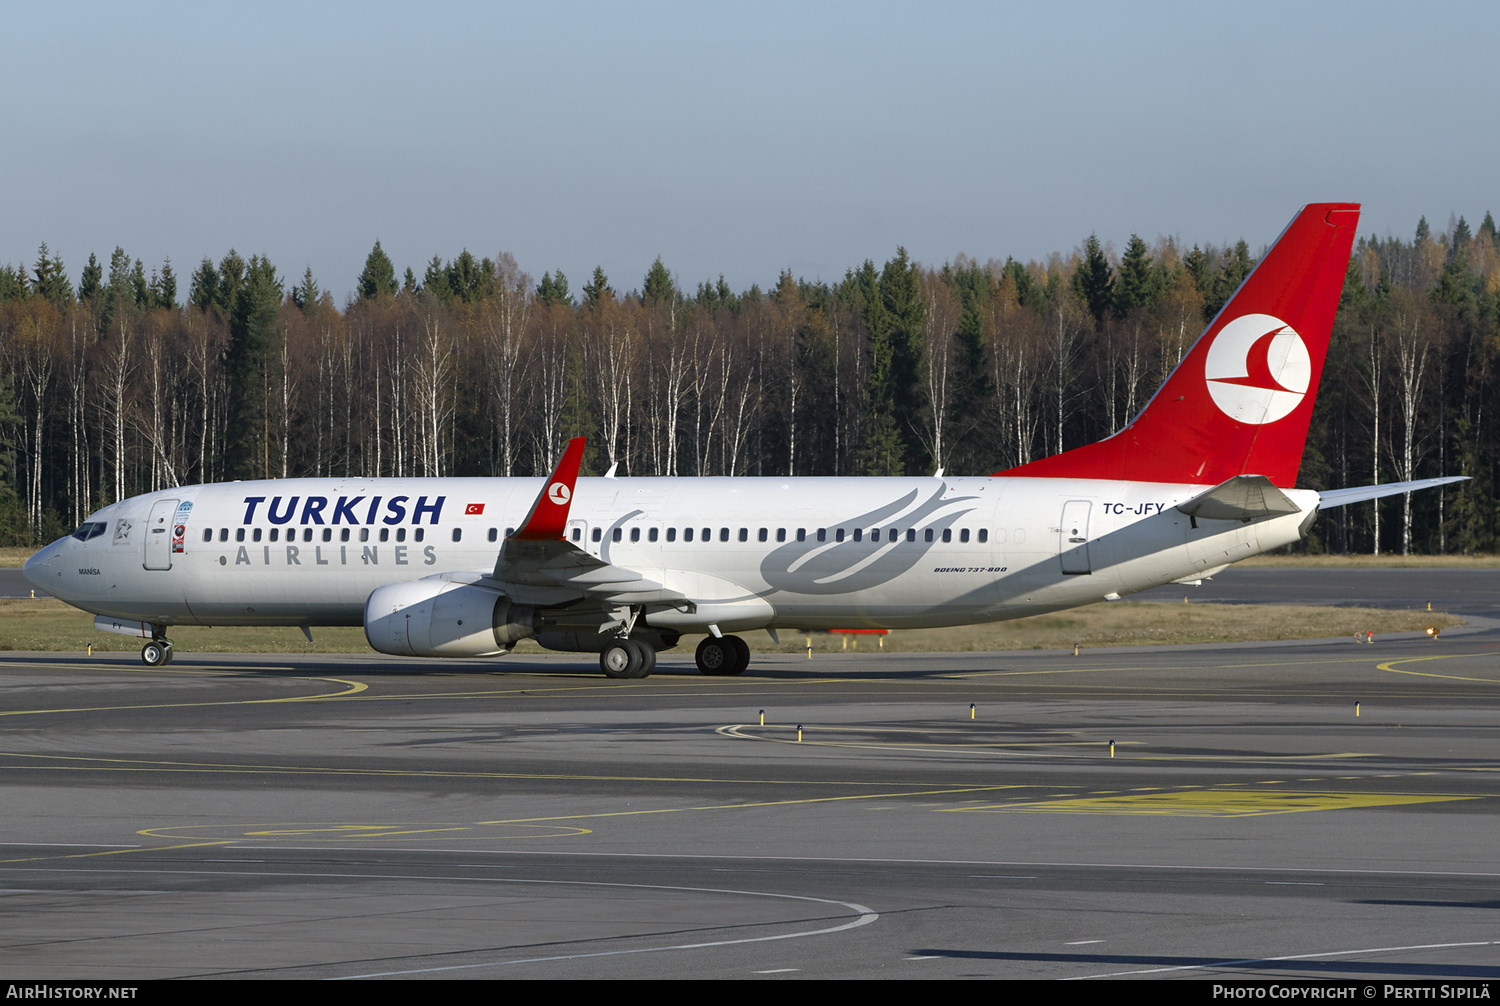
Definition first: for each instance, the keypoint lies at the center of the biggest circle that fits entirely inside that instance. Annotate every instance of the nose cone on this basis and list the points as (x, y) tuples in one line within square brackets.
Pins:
[(40, 568)]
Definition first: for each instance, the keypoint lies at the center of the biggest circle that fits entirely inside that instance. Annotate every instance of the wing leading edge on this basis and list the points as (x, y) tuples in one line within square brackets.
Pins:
[(538, 565)]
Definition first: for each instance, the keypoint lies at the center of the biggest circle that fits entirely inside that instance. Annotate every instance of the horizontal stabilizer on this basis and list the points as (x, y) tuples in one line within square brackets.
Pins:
[(1331, 498), (1244, 497)]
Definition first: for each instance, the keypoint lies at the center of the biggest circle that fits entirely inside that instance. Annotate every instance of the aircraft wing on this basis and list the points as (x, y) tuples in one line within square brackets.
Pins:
[(537, 565), (1244, 497), (551, 572), (1331, 498)]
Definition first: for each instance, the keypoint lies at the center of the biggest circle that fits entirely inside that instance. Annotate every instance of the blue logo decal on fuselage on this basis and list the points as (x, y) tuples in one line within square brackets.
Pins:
[(355, 510)]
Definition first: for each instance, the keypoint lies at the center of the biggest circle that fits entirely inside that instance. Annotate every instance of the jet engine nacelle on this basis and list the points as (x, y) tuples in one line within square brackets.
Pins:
[(441, 618)]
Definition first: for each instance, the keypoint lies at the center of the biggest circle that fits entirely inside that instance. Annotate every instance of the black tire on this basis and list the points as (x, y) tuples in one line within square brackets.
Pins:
[(717, 656), (741, 654), (154, 654), (648, 658), (621, 658)]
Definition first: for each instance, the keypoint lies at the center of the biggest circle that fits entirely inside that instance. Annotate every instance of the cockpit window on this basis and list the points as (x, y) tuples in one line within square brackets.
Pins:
[(91, 529)]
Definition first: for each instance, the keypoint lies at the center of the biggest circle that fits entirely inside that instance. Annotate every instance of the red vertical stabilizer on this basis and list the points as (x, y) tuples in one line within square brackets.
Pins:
[(1241, 400)]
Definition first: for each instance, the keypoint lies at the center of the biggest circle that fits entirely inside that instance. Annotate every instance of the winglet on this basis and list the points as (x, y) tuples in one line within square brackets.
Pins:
[(548, 518)]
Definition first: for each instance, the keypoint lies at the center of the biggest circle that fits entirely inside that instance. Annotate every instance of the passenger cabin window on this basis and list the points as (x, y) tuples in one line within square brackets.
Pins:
[(781, 534), (495, 534), (275, 534), (598, 534), (385, 534), (208, 534), (651, 535), (400, 534), (687, 534), (458, 534), (615, 535), (509, 531), (984, 535), (364, 534), (708, 534), (328, 534), (927, 534), (802, 534), (635, 534), (255, 534), (744, 534), (838, 534), (723, 534), (859, 534), (577, 534), (419, 534), (239, 534), (963, 535), (947, 534), (672, 534), (343, 534), (822, 534)]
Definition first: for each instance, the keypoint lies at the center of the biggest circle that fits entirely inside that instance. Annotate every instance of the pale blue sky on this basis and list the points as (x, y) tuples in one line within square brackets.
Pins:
[(740, 139)]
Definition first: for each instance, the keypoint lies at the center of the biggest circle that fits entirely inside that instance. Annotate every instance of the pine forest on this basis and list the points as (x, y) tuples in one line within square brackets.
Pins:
[(123, 382)]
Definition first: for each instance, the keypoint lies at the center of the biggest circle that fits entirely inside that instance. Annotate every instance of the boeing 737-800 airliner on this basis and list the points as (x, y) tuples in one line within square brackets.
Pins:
[(467, 567)]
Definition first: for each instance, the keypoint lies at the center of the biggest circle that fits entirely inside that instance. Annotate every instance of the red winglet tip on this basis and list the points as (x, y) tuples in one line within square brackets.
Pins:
[(548, 518)]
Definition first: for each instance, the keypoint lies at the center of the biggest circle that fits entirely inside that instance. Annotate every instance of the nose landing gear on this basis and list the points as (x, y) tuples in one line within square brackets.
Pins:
[(156, 653)]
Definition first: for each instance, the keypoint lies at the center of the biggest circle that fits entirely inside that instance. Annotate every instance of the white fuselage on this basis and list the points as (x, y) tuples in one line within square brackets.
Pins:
[(752, 552)]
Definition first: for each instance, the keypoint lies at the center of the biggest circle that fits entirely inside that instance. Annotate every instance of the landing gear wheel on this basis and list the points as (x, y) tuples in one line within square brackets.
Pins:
[(714, 656), (648, 658), (624, 658), (155, 654), (741, 654), (727, 655)]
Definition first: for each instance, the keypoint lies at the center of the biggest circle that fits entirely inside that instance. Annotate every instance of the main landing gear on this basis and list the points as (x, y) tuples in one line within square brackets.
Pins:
[(627, 658), (633, 658), (156, 653), (723, 655)]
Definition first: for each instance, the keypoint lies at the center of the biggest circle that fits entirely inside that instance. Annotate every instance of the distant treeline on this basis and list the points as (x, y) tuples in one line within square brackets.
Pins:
[(115, 386)]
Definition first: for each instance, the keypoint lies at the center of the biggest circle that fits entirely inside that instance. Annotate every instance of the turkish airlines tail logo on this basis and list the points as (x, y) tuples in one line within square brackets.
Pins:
[(1258, 369)]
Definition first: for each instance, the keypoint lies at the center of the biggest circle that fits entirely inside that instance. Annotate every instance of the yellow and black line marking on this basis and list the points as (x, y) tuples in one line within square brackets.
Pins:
[(1390, 665)]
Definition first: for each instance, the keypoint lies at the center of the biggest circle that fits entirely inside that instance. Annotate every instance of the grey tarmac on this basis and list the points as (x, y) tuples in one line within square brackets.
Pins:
[(1170, 813)]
